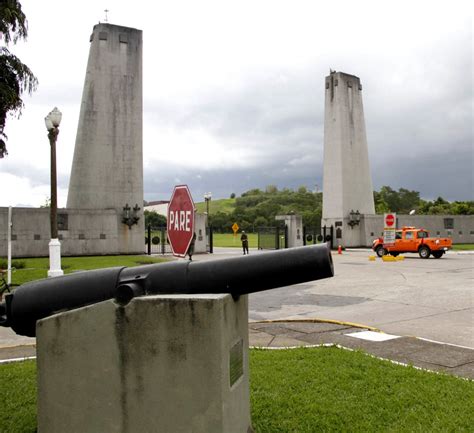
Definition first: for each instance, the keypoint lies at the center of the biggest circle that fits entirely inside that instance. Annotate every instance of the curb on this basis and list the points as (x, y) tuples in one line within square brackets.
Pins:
[(335, 322)]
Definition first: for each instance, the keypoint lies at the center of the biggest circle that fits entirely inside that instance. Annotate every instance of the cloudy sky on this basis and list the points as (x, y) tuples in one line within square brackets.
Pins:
[(234, 92)]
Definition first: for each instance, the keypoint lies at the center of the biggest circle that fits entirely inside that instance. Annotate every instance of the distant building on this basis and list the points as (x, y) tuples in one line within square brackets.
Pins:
[(160, 207)]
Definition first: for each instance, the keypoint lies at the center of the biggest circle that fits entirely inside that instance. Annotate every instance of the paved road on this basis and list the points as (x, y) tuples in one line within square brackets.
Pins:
[(431, 298)]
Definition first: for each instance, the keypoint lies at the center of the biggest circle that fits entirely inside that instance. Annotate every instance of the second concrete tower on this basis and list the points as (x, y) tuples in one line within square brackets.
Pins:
[(347, 182), (107, 170)]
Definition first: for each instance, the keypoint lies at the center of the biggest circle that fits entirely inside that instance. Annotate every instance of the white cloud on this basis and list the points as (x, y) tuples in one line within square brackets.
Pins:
[(19, 191)]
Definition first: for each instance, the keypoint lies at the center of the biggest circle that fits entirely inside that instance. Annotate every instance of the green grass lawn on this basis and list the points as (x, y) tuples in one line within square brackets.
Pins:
[(308, 390), (35, 269), (335, 390), (463, 247), (229, 240)]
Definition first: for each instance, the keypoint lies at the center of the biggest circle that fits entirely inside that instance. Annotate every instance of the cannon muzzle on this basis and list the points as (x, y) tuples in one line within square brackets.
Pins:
[(237, 276)]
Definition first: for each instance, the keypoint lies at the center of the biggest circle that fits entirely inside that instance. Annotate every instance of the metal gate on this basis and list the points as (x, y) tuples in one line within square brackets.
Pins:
[(156, 241), (272, 238), (317, 235)]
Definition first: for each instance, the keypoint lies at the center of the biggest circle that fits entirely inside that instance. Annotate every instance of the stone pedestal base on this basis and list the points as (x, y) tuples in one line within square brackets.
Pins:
[(55, 258), (160, 364)]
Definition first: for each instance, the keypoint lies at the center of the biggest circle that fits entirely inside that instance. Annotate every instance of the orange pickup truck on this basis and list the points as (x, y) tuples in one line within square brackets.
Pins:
[(413, 240)]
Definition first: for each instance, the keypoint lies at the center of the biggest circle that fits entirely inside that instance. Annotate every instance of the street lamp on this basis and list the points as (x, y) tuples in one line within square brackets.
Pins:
[(354, 218), (52, 121), (207, 197)]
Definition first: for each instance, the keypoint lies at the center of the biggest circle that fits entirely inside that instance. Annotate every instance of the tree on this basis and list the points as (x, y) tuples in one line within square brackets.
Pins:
[(15, 77), (402, 201), (232, 195), (154, 219), (271, 189)]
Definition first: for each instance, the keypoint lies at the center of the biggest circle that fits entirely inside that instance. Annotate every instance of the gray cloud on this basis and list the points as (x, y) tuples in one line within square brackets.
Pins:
[(418, 139), (417, 90)]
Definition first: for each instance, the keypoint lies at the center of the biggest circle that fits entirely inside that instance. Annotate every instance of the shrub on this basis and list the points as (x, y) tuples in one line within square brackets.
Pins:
[(17, 264)]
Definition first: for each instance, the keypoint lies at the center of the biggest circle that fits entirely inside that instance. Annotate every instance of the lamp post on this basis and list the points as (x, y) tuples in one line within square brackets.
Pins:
[(207, 197), (52, 121), (354, 218)]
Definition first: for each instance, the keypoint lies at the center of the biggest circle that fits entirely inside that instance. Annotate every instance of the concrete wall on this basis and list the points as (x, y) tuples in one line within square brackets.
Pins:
[(462, 231), (81, 232), (294, 224), (202, 238), (347, 182)]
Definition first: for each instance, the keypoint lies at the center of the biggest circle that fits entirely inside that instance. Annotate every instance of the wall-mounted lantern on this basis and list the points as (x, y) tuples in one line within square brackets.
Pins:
[(130, 216), (354, 218)]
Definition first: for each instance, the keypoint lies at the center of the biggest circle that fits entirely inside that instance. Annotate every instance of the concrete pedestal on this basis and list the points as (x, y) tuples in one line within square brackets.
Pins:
[(55, 258), (160, 364), (294, 225)]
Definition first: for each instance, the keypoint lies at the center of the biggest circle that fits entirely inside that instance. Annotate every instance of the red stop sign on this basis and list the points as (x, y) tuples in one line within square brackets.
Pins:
[(389, 220), (180, 220)]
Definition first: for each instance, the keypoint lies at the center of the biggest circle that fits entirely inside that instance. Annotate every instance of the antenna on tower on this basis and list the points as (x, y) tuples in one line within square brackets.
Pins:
[(106, 15)]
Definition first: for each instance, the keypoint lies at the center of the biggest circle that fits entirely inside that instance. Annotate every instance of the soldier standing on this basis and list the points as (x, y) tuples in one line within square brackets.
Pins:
[(245, 242)]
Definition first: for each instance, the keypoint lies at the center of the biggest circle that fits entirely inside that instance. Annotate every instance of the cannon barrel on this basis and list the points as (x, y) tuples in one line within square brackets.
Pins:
[(237, 276)]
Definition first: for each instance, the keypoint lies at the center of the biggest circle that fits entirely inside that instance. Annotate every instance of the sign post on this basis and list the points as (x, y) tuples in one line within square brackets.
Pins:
[(389, 229), (235, 228), (181, 220)]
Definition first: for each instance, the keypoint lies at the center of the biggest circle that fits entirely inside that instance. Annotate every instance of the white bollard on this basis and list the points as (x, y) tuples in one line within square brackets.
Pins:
[(55, 258)]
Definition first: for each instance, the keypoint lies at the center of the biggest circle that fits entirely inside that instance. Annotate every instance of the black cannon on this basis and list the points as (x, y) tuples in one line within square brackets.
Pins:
[(237, 276)]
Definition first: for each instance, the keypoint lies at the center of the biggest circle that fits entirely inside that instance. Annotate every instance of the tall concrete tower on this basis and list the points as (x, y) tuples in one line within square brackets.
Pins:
[(347, 182), (107, 170)]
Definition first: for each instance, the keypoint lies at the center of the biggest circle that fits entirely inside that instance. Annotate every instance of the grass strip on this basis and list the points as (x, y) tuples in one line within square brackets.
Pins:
[(463, 247), (228, 240), (37, 268), (18, 397), (308, 390), (334, 390)]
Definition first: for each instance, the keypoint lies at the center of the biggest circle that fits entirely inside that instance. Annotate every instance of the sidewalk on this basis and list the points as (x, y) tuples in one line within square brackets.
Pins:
[(407, 350), (414, 351)]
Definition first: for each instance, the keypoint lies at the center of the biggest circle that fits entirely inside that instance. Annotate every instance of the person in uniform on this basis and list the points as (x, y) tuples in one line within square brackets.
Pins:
[(245, 242)]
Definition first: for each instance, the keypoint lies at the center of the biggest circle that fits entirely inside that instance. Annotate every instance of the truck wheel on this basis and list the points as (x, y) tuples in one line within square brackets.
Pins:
[(424, 252), (437, 254), (380, 250)]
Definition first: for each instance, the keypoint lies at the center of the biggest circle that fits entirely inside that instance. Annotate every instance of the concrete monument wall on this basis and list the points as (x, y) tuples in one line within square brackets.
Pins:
[(460, 228), (81, 232), (202, 238), (107, 169), (294, 225), (347, 182)]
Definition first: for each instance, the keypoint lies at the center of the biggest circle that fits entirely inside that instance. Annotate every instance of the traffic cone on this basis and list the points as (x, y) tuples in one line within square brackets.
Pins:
[(339, 250)]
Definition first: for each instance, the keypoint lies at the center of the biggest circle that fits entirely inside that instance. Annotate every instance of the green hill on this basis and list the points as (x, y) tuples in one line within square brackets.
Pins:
[(224, 205)]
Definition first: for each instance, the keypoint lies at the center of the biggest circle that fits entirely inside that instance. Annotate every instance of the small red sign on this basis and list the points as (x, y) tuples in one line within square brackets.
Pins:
[(180, 220), (389, 220)]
